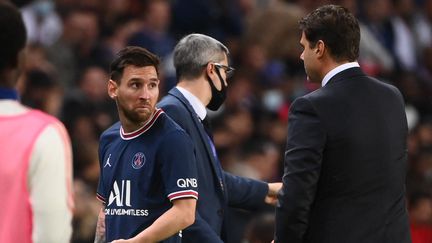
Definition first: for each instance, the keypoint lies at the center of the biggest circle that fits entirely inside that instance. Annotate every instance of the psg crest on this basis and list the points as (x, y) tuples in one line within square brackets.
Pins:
[(138, 160)]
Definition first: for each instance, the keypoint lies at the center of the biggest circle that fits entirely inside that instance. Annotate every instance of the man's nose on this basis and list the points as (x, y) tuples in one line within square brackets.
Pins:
[(145, 93)]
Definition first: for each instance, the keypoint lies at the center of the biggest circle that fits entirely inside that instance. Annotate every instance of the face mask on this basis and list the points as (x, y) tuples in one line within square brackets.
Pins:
[(218, 96)]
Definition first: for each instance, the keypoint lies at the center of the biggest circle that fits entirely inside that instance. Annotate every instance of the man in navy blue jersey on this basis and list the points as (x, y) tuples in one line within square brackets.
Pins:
[(148, 181)]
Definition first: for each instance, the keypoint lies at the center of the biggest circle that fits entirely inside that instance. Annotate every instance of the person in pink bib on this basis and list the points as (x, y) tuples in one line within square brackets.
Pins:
[(35, 154)]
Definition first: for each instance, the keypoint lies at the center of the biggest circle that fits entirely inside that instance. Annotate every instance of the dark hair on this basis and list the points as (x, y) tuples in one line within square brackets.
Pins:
[(13, 35), (337, 28), (132, 56)]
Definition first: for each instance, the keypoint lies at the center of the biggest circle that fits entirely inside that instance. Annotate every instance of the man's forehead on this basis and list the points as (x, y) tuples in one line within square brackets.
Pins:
[(143, 70), (145, 73)]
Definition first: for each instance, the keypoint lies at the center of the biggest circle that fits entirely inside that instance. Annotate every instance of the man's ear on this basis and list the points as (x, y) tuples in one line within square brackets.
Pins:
[(112, 89), (320, 48), (209, 69)]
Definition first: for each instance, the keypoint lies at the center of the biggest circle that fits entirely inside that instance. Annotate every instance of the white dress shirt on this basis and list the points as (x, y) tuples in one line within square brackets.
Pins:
[(337, 70), (196, 104)]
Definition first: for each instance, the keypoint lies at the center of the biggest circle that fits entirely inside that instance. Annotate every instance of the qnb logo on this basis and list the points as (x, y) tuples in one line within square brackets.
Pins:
[(121, 195), (188, 182)]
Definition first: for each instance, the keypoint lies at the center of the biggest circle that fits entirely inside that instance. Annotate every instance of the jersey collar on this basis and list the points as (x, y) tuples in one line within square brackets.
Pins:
[(131, 135)]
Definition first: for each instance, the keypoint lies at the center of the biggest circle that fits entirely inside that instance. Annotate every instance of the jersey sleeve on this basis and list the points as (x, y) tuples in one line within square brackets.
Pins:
[(100, 193), (178, 166)]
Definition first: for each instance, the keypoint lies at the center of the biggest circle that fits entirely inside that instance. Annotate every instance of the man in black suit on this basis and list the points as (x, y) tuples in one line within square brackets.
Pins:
[(202, 70), (345, 158)]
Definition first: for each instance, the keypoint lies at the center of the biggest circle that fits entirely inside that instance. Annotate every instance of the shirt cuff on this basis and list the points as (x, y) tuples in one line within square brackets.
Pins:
[(183, 194), (100, 198)]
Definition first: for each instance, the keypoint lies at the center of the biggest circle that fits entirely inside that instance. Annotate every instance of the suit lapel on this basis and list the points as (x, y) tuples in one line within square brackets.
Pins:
[(202, 133)]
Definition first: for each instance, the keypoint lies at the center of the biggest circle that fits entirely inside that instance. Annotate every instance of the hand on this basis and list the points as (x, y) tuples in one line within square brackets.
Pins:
[(123, 241), (271, 197), (131, 240)]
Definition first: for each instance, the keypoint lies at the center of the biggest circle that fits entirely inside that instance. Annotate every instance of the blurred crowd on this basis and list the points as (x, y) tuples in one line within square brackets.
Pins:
[(72, 42)]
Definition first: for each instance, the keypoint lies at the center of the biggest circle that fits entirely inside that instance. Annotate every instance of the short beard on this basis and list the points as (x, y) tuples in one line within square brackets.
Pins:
[(134, 117)]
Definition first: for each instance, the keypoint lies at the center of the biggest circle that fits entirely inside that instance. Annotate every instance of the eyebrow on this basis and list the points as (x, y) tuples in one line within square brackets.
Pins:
[(154, 80), (142, 80)]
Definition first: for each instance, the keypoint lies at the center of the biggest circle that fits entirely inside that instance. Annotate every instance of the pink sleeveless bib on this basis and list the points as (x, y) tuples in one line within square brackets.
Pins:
[(17, 138)]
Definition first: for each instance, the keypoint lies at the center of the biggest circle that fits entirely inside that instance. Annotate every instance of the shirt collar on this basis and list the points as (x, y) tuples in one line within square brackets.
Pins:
[(337, 70), (10, 94), (196, 104)]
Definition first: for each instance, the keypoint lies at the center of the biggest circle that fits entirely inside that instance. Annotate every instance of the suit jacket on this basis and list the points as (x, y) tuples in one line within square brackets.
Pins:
[(345, 165), (217, 189)]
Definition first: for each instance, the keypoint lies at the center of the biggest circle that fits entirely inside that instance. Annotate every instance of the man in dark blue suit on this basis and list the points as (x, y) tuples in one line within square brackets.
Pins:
[(202, 70), (346, 153)]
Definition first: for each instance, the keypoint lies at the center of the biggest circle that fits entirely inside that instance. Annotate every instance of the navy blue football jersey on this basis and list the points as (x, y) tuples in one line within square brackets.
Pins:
[(142, 172)]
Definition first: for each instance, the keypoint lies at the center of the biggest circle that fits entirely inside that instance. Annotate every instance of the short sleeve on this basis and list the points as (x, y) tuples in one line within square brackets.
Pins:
[(178, 166), (100, 193)]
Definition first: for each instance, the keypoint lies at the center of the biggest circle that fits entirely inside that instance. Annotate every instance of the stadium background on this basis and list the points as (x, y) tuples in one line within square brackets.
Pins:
[(71, 43)]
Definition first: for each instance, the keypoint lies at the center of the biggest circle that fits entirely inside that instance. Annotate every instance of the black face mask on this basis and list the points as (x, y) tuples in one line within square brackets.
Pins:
[(218, 96)]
